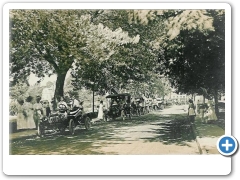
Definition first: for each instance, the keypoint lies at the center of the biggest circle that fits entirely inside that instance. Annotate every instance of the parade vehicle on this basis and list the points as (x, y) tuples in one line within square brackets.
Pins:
[(119, 106), (63, 118)]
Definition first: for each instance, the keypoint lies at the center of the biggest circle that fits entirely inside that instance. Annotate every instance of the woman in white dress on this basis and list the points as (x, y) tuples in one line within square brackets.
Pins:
[(210, 115), (21, 122), (100, 111), (28, 113)]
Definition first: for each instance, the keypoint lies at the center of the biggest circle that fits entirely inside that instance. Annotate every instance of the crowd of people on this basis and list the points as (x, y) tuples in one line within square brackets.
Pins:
[(205, 111), (30, 111)]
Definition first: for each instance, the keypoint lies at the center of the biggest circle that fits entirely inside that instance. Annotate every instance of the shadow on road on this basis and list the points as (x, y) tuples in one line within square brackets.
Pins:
[(168, 129), (176, 130)]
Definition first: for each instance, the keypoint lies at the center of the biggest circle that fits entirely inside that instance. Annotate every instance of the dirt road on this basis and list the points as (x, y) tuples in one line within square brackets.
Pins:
[(159, 132), (159, 137)]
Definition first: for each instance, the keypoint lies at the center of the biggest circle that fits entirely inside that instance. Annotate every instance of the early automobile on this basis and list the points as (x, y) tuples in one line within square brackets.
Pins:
[(64, 118), (120, 106)]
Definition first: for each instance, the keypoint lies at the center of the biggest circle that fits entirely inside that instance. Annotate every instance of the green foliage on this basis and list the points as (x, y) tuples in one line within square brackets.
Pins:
[(112, 48), (19, 90), (53, 41), (195, 58), (131, 61)]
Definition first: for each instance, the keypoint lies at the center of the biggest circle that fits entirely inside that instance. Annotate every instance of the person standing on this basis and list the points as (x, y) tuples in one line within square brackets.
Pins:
[(201, 112), (28, 112), (21, 121), (37, 111), (100, 111), (191, 111)]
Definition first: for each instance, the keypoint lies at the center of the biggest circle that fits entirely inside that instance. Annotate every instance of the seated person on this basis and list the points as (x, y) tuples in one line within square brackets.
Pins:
[(46, 108), (74, 104), (62, 105), (114, 103)]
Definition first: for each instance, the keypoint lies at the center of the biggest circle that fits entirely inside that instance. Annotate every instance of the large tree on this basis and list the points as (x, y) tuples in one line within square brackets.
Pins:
[(194, 54), (132, 61), (53, 41)]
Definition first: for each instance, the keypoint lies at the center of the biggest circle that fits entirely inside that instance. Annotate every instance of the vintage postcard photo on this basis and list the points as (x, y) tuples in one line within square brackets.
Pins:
[(138, 81)]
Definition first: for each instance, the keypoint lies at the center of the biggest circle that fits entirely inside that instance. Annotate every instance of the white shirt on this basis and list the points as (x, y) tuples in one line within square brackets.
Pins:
[(75, 103)]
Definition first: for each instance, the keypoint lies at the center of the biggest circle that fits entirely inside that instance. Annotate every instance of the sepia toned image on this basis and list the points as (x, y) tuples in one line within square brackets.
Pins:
[(116, 82)]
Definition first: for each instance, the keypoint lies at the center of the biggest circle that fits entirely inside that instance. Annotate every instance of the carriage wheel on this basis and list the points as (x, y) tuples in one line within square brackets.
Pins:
[(87, 123), (71, 127), (40, 130)]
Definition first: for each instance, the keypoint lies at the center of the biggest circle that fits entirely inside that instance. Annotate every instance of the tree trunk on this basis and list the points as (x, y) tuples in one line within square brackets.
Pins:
[(59, 88), (216, 102), (93, 101)]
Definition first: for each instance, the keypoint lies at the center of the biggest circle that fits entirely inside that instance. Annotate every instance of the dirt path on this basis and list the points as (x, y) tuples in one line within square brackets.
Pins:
[(146, 139), (152, 134)]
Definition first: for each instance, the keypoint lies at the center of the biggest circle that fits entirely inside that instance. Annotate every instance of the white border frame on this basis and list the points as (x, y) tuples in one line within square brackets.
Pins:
[(114, 164)]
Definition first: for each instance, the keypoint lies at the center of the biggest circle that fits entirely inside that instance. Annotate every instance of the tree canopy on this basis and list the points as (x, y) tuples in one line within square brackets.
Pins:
[(113, 48), (53, 41), (194, 57)]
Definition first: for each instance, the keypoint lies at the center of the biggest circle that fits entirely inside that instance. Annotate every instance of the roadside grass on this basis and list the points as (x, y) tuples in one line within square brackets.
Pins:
[(208, 130)]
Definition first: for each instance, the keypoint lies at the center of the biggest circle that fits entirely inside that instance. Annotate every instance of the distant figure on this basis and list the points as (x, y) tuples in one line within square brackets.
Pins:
[(100, 111), (37, 111), (28, 112), (201, 112), (191, 111), (155, 104), (210, 114), (21, 121)]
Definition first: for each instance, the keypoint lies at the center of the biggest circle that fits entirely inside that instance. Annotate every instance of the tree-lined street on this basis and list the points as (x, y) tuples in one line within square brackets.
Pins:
[(160, 132), (141, 59)]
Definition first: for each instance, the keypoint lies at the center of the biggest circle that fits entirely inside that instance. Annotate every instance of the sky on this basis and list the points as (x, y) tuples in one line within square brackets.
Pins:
[(33, 79)]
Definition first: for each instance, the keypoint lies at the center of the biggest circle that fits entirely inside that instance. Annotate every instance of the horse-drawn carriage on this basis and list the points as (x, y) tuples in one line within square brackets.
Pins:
[(120, 106), (64, 118)]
